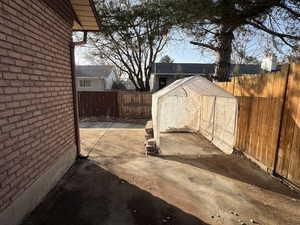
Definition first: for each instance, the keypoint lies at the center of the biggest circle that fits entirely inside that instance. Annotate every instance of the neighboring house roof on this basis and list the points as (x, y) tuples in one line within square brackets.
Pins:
[(199, 68), (182, 68), (99, 71), (246, 68)]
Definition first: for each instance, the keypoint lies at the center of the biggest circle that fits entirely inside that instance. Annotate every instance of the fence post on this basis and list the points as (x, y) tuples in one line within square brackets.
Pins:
[(281, 118), (118, 104)]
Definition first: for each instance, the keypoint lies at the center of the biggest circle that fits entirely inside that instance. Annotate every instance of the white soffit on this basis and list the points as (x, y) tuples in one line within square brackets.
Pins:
[(86, 15)]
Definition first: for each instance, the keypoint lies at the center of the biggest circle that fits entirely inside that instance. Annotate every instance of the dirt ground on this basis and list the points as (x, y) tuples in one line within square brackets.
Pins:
[(194, 183)]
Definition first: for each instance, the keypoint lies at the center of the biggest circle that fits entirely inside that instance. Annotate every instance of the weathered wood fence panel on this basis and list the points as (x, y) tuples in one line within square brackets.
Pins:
[(135, 104), (269, 119), (97, 104), (260, 105), (122, 104), (288, 164)]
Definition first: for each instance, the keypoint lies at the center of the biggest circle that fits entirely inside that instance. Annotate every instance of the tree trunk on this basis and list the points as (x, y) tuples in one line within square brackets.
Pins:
[(147, 85), (140, 83), (224, 49)]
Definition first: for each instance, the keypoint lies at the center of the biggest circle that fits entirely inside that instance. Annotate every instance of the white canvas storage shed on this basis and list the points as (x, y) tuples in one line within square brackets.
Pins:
[(195, 104)]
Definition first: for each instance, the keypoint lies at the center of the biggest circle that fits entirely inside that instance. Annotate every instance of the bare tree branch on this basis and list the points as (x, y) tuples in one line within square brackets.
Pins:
[(204, 45), (129, 39), (262, 27)]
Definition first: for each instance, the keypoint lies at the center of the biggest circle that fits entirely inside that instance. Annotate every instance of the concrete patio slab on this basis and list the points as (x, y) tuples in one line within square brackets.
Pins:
[(120, 185), (186, 144)]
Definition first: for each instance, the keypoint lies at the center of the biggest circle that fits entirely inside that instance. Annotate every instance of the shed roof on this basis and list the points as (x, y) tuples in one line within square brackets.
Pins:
[(196, 84), (97, 71), (86, 15)]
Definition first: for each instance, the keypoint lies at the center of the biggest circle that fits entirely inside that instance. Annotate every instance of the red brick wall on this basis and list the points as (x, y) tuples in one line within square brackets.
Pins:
[(36, 104)]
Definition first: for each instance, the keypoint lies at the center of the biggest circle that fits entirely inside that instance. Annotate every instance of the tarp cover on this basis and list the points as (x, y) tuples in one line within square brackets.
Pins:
[(195, 104)]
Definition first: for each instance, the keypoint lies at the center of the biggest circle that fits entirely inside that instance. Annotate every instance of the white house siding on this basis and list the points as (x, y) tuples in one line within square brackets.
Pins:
[(151, 82), (110, 80), (96, 84), (154, 84)]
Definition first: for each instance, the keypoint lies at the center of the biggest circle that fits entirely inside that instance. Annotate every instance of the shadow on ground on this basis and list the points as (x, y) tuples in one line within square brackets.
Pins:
[(234, 167), (90, 195), (110, 124)]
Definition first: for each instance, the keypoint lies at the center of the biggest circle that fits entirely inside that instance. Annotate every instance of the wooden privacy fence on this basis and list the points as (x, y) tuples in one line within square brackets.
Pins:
[(268, 127), (97, 104), (115, 104), (135, 105)]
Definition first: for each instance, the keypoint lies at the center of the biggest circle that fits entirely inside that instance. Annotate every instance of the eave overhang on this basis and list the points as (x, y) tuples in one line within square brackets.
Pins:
[(86, 16)]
